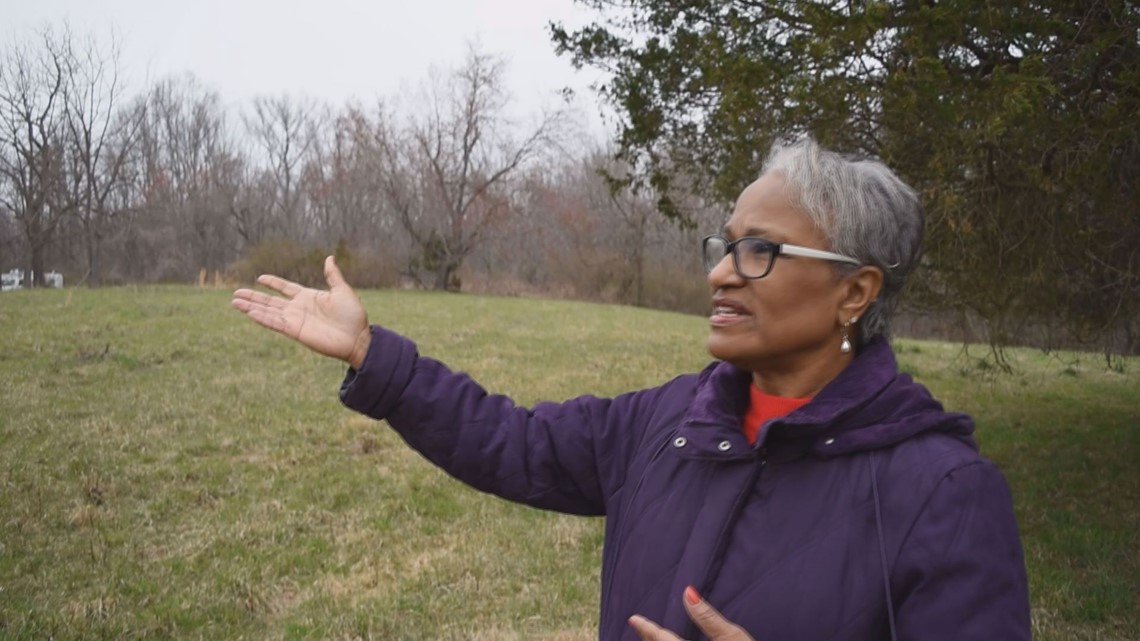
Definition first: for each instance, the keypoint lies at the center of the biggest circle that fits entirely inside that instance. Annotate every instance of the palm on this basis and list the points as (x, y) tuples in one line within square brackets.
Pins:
[(331, 322), (327, 322)]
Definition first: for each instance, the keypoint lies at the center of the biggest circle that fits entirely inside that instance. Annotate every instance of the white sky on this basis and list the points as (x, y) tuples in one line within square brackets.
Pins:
[(329, 50)]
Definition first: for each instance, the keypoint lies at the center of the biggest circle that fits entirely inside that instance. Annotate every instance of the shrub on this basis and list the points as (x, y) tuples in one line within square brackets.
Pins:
[(291, 260)]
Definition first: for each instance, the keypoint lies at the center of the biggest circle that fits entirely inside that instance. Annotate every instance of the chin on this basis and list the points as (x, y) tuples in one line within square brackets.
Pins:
[(729, 349)]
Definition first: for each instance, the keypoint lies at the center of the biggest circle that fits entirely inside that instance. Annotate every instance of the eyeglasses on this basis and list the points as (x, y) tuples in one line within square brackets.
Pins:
[(753, 257)]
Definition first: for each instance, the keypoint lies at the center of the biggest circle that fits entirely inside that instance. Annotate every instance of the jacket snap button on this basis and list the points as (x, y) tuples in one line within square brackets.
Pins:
[(724, 446), (680, 441), (829, 441)]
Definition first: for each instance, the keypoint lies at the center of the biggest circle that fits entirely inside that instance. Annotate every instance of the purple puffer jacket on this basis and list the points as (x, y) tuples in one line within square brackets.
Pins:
[(870, 487)]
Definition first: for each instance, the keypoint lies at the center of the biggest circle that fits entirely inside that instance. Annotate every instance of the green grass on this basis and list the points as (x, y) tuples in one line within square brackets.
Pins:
[(168, 470)]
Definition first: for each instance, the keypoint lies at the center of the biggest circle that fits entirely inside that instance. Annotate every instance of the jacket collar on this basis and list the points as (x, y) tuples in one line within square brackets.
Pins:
[(870, 405)]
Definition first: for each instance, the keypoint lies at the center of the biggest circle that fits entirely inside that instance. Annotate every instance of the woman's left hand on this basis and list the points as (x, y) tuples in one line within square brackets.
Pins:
[(711, 622)]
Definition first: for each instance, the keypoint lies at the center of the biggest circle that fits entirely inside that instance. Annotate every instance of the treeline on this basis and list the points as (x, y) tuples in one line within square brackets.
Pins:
[(1018, 129), (442, 188)]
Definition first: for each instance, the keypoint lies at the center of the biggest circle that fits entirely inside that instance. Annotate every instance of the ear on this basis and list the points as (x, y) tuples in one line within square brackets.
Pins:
[(857, 291)]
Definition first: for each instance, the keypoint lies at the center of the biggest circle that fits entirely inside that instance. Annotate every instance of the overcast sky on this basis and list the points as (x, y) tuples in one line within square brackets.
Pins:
[(331, 50)]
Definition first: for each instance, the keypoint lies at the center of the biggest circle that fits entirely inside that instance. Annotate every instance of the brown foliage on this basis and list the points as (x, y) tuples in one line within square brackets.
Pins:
[(305, 265)]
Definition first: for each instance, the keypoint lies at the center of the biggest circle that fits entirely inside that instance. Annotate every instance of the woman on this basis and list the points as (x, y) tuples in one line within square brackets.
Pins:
[(799, 483)]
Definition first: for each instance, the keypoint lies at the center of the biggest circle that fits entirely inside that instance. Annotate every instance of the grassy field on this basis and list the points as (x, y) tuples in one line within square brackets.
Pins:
[(168, 470)]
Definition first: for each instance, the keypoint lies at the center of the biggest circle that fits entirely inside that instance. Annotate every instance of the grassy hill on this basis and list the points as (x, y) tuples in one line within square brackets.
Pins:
[(169, 470)]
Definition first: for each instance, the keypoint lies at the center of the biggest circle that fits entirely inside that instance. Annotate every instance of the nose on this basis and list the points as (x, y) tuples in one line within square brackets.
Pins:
[(724, 274)]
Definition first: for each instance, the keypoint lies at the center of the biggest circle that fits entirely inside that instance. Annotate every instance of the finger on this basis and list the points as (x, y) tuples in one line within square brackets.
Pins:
[(271, 320), (260, 298), (280, 285), (332, 274), (710, 621), (241, 304), (650, 631), (246, 306)]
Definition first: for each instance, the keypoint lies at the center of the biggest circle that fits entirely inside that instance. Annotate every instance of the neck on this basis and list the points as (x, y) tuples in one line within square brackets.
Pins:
[(803, 378)]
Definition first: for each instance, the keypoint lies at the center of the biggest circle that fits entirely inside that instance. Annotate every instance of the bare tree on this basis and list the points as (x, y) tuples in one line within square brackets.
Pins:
[(447, 172), (608, 228), (580, 234), (8, 237), (252, 215), (192, 175), (283, 129), (99, 139), (343, 185), (33, 85), (631, 217)]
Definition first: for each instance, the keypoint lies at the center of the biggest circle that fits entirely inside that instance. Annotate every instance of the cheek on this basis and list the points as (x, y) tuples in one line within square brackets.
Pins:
[(803, 298), (801, 309)]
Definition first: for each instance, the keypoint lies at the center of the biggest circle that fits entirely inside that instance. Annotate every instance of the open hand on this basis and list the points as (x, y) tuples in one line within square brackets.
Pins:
[(331, 322), (712, 623)]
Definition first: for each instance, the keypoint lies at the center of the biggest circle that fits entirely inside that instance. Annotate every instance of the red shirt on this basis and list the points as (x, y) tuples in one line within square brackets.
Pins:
[(763, 407)]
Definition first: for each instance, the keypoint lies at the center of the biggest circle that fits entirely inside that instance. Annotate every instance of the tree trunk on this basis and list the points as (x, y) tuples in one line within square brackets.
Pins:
[(35, 276), (92, 239), (639, 282), (446, 278), (641, 222)]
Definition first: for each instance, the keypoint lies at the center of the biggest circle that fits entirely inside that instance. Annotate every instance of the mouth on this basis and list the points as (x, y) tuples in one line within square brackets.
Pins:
[(726, 312)]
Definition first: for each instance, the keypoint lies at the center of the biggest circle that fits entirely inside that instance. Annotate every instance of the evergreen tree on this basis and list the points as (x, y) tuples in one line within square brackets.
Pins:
[(1016, 121)]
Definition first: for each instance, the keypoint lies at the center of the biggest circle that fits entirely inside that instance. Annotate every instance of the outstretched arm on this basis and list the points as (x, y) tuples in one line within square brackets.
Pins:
[(332, 322), (547, 457)]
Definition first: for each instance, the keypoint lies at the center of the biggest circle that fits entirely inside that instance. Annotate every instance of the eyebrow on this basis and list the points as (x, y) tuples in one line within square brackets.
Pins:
[(752, 231)]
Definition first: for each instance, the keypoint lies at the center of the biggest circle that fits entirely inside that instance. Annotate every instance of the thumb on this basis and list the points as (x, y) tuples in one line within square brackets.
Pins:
[(333, 276), (710, 621)]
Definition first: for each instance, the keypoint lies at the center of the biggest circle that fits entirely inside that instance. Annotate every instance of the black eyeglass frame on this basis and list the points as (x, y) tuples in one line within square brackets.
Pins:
[(774, 251)]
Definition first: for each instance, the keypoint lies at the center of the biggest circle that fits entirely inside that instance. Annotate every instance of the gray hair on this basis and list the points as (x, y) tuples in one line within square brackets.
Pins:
[(863, 210)]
